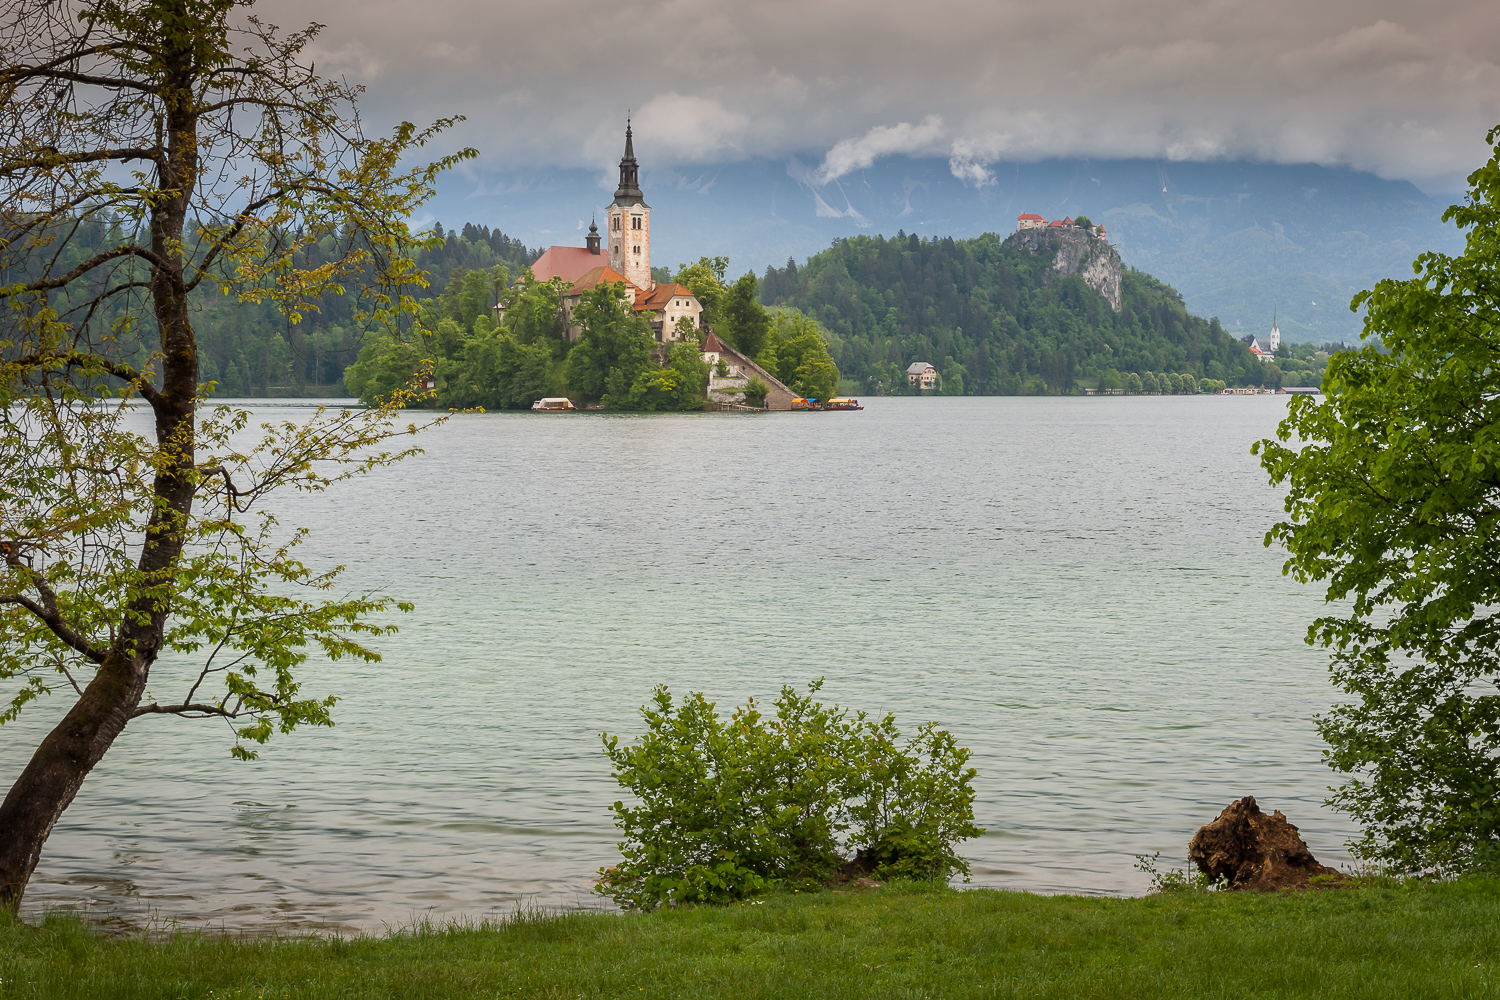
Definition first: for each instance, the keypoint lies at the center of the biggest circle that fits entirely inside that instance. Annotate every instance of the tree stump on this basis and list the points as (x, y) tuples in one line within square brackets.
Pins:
[(1254, 851)]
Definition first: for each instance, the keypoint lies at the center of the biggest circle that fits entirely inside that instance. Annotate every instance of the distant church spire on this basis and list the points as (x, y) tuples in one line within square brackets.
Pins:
[(630, 182)]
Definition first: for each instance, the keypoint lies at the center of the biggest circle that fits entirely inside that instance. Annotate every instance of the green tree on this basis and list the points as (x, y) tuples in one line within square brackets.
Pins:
[(613, 349), (796, 352), (385, 365), (474, 298), (706, 281), (743, 321), (533, 313), (125, 540), (498, 372), (1393, 502)]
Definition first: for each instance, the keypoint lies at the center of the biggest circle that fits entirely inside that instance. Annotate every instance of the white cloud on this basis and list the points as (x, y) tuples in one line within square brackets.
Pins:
[(849, 155)]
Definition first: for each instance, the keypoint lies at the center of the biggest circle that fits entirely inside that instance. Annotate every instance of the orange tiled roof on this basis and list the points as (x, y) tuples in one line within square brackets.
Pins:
[(711, 343), (1027, 215), (567, 263), (657, 297), (597, 276)]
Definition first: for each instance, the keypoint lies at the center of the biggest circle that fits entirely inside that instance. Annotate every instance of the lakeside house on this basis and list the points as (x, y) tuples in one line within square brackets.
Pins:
[(921, 374)]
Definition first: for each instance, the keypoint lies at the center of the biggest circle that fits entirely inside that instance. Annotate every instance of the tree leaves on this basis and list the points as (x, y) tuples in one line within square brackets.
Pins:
[(1393, 503)]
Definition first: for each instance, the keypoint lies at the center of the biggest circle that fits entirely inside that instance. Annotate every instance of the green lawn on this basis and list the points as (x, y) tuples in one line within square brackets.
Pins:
[(1431, 941)]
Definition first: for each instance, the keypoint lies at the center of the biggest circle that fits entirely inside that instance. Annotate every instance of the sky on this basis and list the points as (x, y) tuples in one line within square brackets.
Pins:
[(1403, 89)]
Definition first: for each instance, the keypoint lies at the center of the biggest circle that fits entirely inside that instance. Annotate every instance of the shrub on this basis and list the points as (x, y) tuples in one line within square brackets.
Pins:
[(730, 808), (756, 391)]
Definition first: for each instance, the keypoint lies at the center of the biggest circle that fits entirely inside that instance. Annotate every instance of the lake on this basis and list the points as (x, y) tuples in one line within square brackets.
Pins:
[(1076, 587)]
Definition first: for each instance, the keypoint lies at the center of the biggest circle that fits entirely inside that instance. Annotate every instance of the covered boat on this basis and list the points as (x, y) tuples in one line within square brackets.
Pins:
[(842, 403), (554, 403)]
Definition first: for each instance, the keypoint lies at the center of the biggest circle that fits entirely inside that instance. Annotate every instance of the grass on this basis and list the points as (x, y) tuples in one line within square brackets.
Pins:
[(895, 942)]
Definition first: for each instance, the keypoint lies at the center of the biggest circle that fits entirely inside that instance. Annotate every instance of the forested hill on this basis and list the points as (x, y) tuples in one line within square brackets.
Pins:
[(250, 350), (996, 319)]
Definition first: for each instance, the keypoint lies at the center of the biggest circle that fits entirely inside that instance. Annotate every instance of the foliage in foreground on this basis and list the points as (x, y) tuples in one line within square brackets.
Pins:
[(204, 151), (729, 808), (1436, 941), (1394, 500)]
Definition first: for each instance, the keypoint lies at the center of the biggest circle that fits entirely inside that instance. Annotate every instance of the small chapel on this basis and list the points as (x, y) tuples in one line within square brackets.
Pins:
[(627, 261)]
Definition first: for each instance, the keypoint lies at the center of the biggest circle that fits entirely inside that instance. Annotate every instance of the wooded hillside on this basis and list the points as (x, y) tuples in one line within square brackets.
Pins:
[(995, 319)]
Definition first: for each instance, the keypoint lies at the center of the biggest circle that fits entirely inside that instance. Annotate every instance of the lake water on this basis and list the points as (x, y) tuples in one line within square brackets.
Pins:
[(1075, 586)]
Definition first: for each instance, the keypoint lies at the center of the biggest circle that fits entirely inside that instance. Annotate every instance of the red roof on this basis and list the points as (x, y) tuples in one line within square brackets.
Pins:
[(567, 263), (1028, 215), (658, 296), (1055, 223), (600, 275), (1067, 222), (711, 343)]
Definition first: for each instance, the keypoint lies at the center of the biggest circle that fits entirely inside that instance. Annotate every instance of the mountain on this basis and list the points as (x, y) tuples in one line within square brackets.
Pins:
[(1239, 240)]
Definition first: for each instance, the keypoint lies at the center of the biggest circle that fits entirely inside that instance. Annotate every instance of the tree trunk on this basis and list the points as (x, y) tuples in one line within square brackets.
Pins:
[(66, 756), (56, 771)]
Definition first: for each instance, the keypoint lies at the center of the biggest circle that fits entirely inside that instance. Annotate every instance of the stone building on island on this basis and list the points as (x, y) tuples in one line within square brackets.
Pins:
[(625, 259)]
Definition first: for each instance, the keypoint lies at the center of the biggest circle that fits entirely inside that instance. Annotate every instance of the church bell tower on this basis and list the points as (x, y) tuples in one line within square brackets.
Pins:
[(630, 222)]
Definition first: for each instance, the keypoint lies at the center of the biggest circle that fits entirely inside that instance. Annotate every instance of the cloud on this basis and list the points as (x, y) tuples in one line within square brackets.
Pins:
[(1401, 87), (849, 155)]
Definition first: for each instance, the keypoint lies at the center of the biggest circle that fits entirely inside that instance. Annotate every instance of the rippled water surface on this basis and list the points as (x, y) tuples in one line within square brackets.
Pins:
[(1076, 587)]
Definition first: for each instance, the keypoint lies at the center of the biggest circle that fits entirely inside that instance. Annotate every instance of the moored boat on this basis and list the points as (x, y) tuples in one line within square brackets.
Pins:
[(554, 403), (842, 403)]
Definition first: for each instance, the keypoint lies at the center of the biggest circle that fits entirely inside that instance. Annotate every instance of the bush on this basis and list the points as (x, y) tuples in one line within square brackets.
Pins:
[(730, 808), (756, 391)]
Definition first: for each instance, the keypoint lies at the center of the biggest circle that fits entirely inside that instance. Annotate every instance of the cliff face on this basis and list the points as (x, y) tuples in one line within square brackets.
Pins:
[(1076, 252)]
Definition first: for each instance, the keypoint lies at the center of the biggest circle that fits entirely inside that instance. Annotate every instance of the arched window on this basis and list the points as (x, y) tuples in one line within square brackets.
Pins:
[(635, 222)]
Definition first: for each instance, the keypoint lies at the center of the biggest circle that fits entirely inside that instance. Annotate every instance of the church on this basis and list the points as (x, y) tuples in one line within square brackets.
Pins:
[(627, 261)]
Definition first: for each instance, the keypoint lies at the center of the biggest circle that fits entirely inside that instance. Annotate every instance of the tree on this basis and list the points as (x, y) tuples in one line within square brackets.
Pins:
[(196, 148), (796, 352), (1393, 501), (385, 365), (743, 321), (614, 347), (706, 281)]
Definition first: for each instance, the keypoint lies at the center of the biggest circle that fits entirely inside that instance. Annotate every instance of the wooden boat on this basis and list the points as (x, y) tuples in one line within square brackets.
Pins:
[(554, 403), (842, 403)]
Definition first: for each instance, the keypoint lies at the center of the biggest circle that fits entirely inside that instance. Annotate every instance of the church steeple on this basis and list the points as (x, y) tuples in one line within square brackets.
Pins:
[(592, 240), (630, 222), (630, 182)]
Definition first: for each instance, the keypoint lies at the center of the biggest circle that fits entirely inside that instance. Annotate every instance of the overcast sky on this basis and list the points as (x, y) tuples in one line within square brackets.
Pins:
[(1402, 88)]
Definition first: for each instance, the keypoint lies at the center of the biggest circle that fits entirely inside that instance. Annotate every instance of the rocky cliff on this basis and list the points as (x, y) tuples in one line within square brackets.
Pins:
[(1076, 252)]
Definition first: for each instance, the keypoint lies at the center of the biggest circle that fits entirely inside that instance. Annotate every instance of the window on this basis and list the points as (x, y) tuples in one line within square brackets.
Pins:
[(615, 223), (635, 222), (637, 248)]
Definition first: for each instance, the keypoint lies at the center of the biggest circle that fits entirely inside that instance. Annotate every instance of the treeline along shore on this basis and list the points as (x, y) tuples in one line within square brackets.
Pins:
[(993, 317)]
